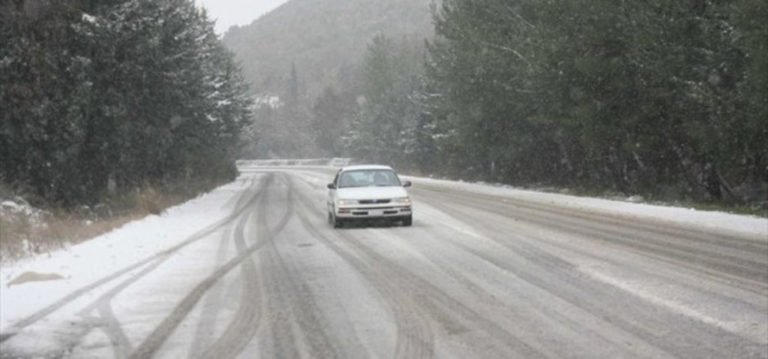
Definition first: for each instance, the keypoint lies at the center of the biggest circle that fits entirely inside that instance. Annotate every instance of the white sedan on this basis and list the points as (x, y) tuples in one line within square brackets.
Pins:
[(368, 192)]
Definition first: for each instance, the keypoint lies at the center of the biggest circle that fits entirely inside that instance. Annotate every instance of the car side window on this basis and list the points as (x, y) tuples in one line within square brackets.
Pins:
[(336, 179)]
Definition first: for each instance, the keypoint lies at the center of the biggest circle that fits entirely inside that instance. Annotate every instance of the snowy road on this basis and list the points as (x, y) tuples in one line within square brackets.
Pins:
[(479, 275)]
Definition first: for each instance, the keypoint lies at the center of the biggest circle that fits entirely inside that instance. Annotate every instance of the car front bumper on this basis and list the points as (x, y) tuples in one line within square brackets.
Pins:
[(392, 210)]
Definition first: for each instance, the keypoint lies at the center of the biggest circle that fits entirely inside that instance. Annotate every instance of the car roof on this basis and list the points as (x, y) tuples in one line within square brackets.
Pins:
[(366, 167)]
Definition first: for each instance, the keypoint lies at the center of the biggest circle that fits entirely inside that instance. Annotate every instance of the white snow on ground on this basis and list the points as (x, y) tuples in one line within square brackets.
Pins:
[(721, 222), (708, 220), (89, 261), (84, 263), (733, 322)]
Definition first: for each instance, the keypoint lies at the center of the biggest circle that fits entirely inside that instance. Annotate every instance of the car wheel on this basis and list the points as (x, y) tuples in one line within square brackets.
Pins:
[(407, 221), (336, 222)]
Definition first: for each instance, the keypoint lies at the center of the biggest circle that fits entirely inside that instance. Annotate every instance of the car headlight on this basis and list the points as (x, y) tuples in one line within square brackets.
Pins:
[(345, 202), (402, 200)]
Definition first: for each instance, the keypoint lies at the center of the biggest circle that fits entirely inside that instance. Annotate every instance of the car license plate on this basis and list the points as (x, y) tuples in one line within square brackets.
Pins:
[(375, 212)]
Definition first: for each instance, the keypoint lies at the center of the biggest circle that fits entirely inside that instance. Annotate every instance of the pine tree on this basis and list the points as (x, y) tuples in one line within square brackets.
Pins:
[(114, 95)]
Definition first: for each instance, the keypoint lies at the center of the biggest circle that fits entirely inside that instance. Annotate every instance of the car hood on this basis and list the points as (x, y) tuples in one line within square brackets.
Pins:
[(358, 193)]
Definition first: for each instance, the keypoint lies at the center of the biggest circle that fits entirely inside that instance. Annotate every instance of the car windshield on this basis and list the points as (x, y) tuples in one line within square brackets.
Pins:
[(368, 178)]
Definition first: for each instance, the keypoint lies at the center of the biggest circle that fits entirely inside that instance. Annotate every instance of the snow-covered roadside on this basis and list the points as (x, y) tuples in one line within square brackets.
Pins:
[(751, 226), (89, 261), (86, 262), (727, 223)]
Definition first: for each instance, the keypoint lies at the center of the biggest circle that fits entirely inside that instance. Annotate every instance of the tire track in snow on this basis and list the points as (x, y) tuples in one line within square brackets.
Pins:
[(245, 200), (212, 304), (429, 299), (726, 256), (625, 311), (160, 334), (456, 317), (291, 301), (245, 321), (415, 338), (108, 322)]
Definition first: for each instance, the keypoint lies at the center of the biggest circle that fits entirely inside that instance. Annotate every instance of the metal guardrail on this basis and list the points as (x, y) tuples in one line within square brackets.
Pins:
[(333, 162)]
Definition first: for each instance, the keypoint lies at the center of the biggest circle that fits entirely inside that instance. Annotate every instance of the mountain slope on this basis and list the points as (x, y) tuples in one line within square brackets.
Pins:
[(324, 38)]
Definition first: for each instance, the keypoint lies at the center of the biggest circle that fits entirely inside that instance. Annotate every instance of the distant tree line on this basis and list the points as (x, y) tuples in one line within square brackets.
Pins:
[(663, 98), (110, 95)]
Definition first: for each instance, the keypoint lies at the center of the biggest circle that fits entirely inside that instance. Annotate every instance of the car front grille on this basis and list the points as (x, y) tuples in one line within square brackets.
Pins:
[(374, 201)]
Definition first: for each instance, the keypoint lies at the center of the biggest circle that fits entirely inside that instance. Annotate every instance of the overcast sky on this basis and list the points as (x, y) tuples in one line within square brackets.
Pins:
[(237, 12)]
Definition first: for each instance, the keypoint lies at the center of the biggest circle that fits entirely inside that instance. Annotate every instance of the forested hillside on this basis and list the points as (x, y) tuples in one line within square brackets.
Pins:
[(309, 54), (325, 39), (103, 97), (666, 99)]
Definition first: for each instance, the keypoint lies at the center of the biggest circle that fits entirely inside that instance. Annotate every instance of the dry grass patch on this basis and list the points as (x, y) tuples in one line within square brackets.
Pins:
[(27, 231)]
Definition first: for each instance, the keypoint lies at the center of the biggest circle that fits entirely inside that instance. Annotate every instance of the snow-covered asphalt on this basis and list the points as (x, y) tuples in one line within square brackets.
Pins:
[(254, 270)]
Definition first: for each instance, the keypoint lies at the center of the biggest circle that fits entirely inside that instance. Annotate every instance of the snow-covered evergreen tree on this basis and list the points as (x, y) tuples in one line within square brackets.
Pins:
[(121, 92)]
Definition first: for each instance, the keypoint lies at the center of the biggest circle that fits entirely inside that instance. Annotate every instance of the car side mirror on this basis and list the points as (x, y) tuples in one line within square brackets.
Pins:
[(331, 186), (407, 183)]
